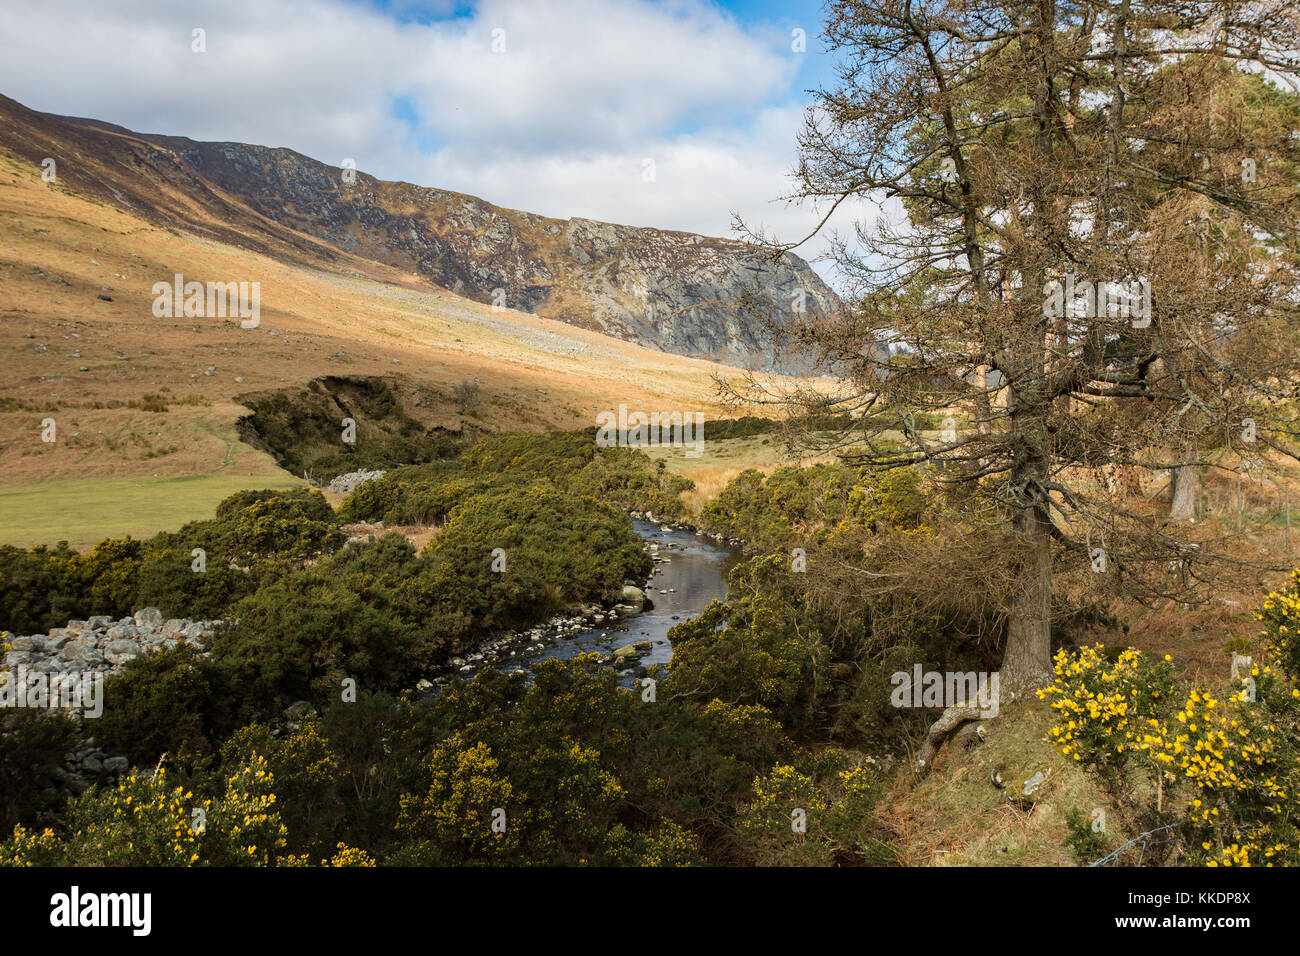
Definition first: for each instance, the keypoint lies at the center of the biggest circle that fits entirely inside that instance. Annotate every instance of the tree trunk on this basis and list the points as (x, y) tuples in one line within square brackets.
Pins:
[(1027, 662), (1182, 493), (983, 407)]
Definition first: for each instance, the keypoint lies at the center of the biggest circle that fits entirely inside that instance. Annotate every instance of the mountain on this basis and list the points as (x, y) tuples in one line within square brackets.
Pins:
[(673, 291)]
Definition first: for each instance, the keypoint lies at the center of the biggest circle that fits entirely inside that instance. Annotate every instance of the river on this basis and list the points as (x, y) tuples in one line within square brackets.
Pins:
[(691, 573)]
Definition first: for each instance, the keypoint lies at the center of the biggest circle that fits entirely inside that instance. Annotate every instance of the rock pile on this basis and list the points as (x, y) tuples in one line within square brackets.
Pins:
[(346, 484), (102, 644)]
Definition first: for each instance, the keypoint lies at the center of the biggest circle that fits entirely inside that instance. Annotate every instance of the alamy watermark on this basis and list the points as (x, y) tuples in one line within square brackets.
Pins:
[(195, 300), (38, 690), (947, 689), (1078, 298)]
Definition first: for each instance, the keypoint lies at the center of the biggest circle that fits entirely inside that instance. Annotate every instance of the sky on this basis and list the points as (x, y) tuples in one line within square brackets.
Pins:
[(557, 107)]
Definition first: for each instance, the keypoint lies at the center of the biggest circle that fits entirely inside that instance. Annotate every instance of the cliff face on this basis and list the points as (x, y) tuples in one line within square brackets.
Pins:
[(673, 291)]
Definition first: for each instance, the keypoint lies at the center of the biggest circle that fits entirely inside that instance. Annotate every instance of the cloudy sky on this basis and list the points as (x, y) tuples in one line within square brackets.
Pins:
[(553, 106)]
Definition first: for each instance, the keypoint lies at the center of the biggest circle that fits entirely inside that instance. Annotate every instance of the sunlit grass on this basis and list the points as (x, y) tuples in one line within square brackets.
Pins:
[(84, 511)]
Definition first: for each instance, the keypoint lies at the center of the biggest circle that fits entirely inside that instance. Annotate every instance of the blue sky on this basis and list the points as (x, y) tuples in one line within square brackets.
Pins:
[(554, 106)]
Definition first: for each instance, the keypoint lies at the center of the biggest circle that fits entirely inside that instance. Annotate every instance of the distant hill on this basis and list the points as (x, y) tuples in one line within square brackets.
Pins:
[(673, 291)]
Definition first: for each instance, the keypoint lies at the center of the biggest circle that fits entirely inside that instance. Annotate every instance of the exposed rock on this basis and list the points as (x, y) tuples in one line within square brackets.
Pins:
[(74, 651), (673, 291), (345, 484), (298, 708), (119, 652), (101, 644), (149, 617), (55, 642)]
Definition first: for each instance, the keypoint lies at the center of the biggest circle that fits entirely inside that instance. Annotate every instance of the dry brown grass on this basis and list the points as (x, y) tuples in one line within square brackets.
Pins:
[(418, 535), (60, 253), (957, 817)]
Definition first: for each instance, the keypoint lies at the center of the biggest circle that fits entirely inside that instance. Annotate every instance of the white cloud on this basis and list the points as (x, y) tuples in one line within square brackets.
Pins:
[(558, 124)]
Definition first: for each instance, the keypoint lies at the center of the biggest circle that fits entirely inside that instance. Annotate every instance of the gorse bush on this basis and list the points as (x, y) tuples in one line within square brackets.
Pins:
[(795, 505), (148, 820), (45, 587), (802, 632), (802, 819), (302, 636), (175, 702), (1222, 764), (572, 769), (571, 463), (32, 747), (1107, 708)]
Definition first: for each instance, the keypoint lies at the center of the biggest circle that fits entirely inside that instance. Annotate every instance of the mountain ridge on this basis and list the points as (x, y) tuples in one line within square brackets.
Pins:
[(679, 292)]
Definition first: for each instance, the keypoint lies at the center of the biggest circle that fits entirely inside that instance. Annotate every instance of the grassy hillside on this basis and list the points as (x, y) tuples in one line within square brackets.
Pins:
[(139, 401)]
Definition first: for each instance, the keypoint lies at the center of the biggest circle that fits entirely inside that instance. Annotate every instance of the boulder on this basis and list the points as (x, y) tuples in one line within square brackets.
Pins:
[(117, 765), (632, 595), (149, 617), (84, 653), (119, 652), (1022, 785), (34, 643)]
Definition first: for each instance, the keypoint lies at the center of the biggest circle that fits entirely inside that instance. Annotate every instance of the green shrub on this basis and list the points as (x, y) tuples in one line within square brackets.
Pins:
[(174, 702), (33, 745), (300, 637)]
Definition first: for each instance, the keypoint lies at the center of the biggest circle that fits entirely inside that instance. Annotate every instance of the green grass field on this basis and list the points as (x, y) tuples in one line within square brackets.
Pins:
[(84, 511)]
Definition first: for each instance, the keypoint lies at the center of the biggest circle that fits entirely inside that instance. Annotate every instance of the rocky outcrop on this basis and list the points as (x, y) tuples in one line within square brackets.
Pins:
[(100, 646), (674, 291)]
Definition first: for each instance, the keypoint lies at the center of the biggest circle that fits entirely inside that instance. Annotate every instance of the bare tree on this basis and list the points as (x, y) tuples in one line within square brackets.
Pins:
[(1071, 268)]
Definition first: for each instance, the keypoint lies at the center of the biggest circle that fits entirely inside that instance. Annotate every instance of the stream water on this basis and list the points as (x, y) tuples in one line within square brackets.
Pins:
[(691, 571)]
